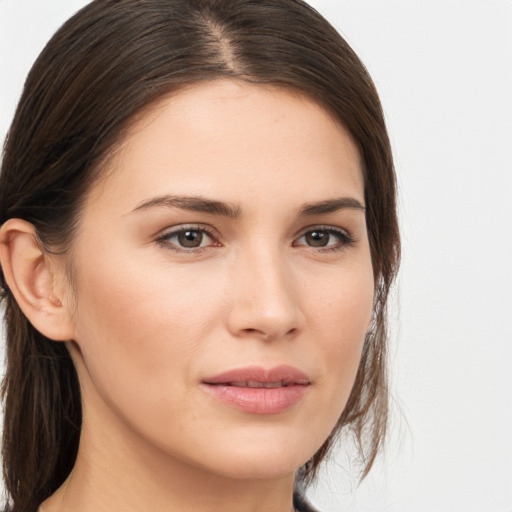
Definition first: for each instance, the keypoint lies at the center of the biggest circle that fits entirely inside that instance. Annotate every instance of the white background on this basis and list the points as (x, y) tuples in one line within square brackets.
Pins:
[(444, 72)]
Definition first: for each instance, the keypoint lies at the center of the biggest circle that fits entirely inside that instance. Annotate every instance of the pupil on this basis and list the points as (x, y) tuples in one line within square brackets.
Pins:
[(317, 238), (190, 238)]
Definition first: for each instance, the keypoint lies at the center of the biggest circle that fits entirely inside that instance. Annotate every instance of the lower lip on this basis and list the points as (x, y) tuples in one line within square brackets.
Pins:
[(258, 400)]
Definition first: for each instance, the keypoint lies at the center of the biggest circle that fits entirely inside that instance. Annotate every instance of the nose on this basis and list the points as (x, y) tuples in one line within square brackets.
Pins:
[(264, 297)]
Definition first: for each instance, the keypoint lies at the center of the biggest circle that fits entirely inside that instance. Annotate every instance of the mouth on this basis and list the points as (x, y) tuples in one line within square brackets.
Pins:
[(259, 391), (256, 384), (257, 376)]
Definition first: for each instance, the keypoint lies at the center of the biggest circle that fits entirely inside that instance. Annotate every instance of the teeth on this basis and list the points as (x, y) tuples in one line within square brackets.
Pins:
[(255, 384)]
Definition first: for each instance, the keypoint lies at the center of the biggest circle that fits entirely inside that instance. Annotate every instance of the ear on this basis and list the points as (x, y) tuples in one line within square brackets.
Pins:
[(31, 275)]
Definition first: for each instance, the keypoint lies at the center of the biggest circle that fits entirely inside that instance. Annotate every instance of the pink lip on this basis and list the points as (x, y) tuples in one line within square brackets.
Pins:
[(258, 390)]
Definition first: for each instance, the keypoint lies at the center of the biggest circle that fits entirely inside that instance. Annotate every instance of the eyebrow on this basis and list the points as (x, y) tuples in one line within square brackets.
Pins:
[(194, 204), (331, 206), (231, 210)]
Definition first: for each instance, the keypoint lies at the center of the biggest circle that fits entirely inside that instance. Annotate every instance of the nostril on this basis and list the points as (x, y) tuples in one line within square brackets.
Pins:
[(261, 333), (269, 335)]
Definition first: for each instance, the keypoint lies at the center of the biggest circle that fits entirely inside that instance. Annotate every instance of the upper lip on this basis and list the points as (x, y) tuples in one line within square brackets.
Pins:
[(251, 376)]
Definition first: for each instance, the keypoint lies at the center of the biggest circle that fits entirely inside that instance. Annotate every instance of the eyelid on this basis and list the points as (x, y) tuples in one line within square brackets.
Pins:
[(164, 237), (345, 234)]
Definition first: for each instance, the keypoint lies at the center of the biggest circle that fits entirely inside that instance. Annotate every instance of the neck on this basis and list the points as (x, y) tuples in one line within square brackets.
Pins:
[(116, 470), (89, 494)]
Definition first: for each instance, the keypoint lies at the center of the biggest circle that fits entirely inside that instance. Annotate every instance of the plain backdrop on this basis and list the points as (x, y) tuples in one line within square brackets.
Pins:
[(444, 72)]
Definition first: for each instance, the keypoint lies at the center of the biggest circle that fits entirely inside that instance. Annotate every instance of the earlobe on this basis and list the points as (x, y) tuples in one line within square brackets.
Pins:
[(30, 274)]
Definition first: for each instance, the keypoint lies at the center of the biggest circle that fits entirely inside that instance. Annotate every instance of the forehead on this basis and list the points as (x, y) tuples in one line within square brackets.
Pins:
[(229, 138)]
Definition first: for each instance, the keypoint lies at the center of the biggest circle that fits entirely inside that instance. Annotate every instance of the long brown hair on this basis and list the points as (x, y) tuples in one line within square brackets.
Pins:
[(101, 69)]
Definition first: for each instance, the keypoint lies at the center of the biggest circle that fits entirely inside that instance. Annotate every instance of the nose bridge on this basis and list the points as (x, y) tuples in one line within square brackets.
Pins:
[(265, 298)]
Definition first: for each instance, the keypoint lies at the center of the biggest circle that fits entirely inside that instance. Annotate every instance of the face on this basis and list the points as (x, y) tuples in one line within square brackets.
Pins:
[(223, 283)]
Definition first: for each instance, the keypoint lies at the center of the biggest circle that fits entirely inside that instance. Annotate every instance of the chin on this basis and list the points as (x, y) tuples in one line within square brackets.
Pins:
[(262, 468), (270, 458)]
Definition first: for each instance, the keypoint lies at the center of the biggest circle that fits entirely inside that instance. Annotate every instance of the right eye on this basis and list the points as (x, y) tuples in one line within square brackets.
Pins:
[(187, 239)]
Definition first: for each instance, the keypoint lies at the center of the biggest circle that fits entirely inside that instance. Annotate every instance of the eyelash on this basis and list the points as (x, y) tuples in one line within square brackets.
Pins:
[(164, 240), (345, 239)]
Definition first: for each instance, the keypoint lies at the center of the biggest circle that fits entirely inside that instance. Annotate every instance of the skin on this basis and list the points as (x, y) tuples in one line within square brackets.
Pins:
[(150, 320)]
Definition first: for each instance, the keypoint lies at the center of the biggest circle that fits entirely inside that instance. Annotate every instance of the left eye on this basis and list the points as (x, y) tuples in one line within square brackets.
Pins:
[(187, 238), (329, 238)]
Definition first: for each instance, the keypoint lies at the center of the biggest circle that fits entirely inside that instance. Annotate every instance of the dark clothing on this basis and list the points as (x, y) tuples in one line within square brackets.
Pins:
[(301, 505)]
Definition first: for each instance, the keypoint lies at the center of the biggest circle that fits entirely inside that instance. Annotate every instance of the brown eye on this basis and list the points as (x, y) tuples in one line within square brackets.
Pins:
[(187, 239), (326, 238), (190, 238), (317, 238)]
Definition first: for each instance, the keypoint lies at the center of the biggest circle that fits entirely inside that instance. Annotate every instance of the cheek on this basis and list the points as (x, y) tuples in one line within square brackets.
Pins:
[(342, 314), (342, 307), (141, 335), (141, 327)]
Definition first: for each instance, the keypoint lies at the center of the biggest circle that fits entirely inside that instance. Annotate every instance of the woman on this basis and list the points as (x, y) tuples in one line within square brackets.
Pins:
[(198, 239)]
